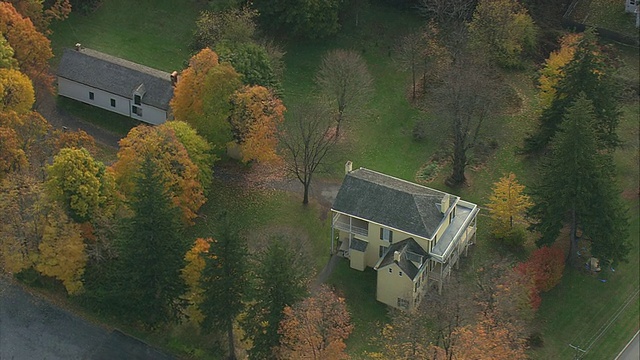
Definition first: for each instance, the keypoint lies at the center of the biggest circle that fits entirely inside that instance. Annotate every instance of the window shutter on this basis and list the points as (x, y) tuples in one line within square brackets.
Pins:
[(390, 236), (381, 234)]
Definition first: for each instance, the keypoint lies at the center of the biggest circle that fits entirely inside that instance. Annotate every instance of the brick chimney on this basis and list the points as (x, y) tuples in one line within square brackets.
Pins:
[(174, 78)]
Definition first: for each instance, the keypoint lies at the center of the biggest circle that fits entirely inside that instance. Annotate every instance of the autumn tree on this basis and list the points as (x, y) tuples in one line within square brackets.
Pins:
[(36, 233), (31, 48), (554, 68), (22, 205), (486, 340), (255, 117), (151, 251), (199, 150), (41, 16), (16, 91), (62, 251), (7, 61), (33, 134), (504, 30), (75, 140), (545, 266), (224, 281), (279, 277), (191, 274), (590, 72), (12, 157), (577, 187), (201, 97), (307, 18), (345, 81), (161, 146), (515, 299), (306, 142), (407, 336), (507, 207), (467, 96), (79, 183), (316, 327)]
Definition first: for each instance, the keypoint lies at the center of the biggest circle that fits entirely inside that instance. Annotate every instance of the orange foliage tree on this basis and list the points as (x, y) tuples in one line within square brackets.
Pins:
[(201, 97), (486, 340), (41, 17), (545, 266), (161, 145), (255, 116), (315, 328), (75, 140), (12, 157), (16, 91), (32, 132), (32, 49)]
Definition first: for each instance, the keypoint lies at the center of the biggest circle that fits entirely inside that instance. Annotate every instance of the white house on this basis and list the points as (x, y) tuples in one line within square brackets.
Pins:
[(115, 84), (410, 234)]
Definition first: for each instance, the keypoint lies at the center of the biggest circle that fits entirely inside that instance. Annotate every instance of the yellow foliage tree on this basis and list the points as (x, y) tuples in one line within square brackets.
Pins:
[(254, 119), (191, 274), (162, 146), (62, 251), (16, 91), (507, 205), (552, 72), (22, 214), (32, 131), (79, 183)]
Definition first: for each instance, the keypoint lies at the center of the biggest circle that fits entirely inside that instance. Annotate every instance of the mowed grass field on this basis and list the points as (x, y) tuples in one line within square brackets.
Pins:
[(379, 138)]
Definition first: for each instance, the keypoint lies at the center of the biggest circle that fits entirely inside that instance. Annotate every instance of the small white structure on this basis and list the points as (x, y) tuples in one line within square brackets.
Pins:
[(633, 6), (115, 84)]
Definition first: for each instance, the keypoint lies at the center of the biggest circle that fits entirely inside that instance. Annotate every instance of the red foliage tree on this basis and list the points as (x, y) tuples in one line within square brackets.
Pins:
[(545, 266)]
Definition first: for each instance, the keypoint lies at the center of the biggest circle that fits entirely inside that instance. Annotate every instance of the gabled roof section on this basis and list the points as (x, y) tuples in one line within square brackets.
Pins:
[(117, 76), (404, 247), (391, 202)]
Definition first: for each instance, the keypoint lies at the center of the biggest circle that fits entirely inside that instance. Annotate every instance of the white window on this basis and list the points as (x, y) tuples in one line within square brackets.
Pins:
[(386, 235)]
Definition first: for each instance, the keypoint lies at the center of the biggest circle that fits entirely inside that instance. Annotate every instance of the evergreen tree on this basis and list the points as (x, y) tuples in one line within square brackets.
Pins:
[(151, 252), (577, 187), (592, 73), (224, 282), (280, 282)]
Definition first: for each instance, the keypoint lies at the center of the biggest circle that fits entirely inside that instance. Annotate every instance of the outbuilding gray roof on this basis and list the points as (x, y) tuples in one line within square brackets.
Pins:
[(391, 202), (404, 247), (116, 75)]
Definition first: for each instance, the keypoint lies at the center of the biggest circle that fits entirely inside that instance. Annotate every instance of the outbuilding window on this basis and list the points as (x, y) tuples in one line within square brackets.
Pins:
[(91, 95), (113, 102)]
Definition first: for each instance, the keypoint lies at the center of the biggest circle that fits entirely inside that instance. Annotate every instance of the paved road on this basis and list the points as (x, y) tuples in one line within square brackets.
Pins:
[(632, 351), (33, 328)]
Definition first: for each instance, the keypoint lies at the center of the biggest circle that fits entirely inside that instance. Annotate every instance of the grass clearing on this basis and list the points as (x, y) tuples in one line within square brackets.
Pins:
[(156, 33)]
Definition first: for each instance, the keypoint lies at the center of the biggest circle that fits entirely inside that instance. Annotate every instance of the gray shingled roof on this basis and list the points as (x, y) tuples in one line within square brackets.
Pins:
[(404, 246), (357, 244), (117, 76), (391, 202)]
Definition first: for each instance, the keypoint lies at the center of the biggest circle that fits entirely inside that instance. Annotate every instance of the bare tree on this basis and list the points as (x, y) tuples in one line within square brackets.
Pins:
[(466, 97), (307, 142), (344, 79), (447, 12)]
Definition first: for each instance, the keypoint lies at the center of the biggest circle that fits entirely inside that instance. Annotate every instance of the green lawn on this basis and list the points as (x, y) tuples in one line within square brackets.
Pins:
[(156, 33)]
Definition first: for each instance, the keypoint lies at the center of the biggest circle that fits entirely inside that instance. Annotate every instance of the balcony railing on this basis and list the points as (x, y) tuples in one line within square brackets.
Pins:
[(346, 224)]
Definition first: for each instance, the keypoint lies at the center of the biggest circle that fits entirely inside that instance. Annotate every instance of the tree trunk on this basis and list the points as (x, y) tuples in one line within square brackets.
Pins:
[(305, 199), (459, 163), (232, 348), (338, 120)]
